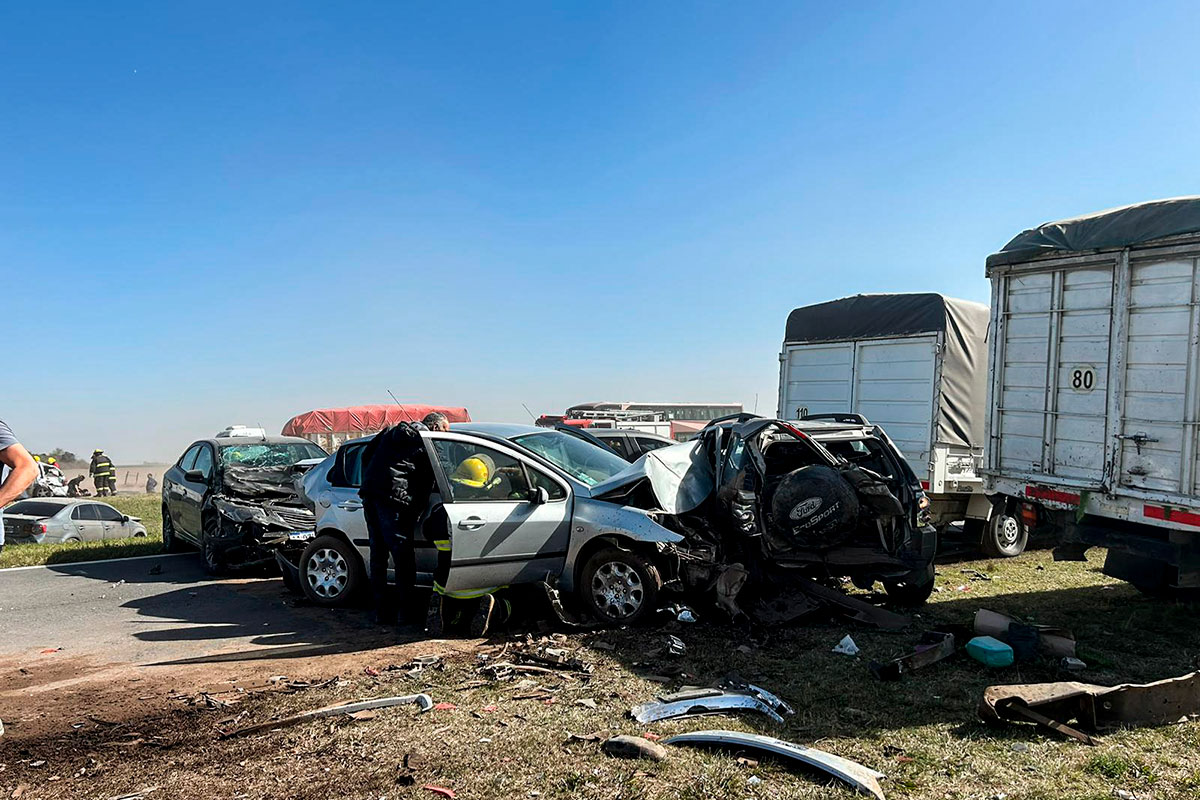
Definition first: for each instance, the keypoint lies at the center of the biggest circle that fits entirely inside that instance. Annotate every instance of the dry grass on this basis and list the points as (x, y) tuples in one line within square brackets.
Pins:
[(922, 731)]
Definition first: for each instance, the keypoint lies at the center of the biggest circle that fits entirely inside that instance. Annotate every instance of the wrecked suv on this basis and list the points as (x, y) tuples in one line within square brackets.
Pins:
[(235, 499), (762, 502)]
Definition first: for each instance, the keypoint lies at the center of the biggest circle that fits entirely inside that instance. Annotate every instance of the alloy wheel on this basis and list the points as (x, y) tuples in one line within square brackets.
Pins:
[(617, 590), (327, 573)]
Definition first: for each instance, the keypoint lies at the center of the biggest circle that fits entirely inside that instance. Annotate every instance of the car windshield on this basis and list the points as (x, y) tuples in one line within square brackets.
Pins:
[(579, 458), (264, 454), (34, 508)]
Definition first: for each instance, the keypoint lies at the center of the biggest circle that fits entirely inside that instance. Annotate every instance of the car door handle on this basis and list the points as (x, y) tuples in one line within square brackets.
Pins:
[(350, 505), (471, 524)]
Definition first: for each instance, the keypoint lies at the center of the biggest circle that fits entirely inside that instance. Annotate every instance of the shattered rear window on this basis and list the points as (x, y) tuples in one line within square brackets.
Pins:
[(261, 454)]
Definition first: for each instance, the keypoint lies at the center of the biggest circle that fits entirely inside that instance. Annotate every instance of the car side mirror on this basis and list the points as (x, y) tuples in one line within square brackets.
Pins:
[(194, 476), (539, 496), (125, 518)]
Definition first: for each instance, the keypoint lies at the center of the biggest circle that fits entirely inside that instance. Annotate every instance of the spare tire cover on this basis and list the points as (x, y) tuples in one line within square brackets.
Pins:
[(813, 507)]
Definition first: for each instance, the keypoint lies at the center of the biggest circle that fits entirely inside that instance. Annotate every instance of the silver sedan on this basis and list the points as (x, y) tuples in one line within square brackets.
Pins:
[(53, 520)]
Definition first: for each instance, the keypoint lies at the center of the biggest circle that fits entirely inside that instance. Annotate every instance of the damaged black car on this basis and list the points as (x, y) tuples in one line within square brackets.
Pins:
[(235, 500), (766, 505)]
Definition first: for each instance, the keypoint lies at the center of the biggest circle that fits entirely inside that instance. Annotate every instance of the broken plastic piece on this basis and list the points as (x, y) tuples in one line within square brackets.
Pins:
[(990, 651), (696, 702), (862, 778), (675, 646), (846, 646)]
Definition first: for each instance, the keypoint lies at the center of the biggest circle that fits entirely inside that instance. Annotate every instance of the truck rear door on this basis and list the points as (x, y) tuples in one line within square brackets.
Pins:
[(1050, 393)]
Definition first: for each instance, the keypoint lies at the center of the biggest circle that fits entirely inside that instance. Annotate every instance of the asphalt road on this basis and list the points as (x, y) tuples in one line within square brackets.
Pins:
[(165, 609)]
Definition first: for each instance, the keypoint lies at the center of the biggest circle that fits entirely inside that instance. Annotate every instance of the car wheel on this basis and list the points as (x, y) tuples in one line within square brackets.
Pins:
[(1005, 535), (171, 543), (72, 540), (619, 587), (210, 553), (331, 571), (909, 592)]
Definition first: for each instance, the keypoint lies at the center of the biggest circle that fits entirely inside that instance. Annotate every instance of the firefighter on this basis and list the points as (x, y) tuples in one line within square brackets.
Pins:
[(104, 476), (396, 486), (475, 477)]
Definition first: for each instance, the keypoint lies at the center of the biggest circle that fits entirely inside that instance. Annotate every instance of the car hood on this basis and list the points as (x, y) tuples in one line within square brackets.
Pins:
[(680, 476)]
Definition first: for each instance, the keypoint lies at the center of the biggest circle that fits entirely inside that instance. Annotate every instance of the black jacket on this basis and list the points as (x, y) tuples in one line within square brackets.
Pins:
[(396, 469)]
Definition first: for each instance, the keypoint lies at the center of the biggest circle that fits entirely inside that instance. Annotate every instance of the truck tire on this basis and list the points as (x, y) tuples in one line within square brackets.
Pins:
[(619, 587), (1005, 534), (814, 507), (331, 571)]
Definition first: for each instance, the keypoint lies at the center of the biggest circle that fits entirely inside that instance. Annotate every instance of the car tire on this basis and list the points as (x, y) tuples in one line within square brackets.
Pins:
[(210, 554), (171, 543), (72, 540), (331, 571), (1005, 534), (909, 593), (618, 587)]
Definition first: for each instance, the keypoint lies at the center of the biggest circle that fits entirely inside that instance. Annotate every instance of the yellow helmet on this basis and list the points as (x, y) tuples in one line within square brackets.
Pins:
[(37, 458), (471, 472), (51, 460)]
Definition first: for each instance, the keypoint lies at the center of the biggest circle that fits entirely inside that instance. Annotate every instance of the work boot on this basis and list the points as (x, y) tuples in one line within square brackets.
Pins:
[(483, 616), (433, 617)]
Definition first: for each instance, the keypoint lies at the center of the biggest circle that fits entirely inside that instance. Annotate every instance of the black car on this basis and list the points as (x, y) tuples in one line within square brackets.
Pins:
[(758, 500), (235, 499), (630, 444)]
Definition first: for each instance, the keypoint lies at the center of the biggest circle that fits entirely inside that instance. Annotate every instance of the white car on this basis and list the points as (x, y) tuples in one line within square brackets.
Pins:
[(54, 520)]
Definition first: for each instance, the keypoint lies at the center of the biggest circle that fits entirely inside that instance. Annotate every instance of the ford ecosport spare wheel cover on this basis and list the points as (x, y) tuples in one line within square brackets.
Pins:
[(813, 506)]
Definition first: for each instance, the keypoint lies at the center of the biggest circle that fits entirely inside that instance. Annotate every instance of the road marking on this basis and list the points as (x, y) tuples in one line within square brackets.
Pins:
[(98, 561)]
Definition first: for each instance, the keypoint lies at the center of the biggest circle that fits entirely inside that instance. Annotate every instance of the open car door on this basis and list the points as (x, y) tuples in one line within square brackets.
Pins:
[(509, 519)]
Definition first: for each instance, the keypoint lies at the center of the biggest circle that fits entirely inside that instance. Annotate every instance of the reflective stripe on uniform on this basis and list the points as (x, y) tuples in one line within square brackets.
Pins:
[(468, 594), (443, 545)]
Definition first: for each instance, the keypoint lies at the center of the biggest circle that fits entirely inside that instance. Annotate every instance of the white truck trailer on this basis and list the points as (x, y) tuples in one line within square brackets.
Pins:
[(1094, 397), (915, 365)]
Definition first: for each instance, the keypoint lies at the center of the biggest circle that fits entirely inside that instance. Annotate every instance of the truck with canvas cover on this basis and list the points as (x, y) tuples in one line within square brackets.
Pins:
[(1094, 407), (914, 364)]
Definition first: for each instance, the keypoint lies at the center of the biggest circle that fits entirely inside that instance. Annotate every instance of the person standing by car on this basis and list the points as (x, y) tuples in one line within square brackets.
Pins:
[(17, 471), (102, 472), (397, 482), (151, 484)]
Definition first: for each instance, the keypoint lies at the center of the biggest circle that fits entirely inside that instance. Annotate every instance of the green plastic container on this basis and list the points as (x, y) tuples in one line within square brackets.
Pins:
[(990, 651)]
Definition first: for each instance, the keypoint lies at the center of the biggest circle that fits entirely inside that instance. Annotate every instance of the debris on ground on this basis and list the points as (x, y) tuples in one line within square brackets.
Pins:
[(804, 599), (634, 747), (846, 646), (1072, 664), (544, 656), (442, 790), (1093, 708), (990, 651), (934, 646), (423, 701), (862, 778), (419, 665), (675, 646), (1054, 642), (733, 695)]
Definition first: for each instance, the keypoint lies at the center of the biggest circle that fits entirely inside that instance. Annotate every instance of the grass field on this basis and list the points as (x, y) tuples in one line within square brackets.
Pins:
[(146, 506), (509, 740)]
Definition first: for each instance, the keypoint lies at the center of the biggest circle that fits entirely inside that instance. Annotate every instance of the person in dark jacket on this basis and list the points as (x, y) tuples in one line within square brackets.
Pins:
[(397, 482), (103, 474)]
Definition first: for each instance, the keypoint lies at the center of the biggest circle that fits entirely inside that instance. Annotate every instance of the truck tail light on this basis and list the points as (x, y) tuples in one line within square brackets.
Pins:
[(1029, 515)]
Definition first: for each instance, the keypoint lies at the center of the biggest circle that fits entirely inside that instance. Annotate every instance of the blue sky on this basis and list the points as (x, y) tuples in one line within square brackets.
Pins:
[(216, 213)]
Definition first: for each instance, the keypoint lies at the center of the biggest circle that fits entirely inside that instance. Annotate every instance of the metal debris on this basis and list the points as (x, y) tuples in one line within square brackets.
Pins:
[(862, 778), (1094, 708), (933, 648), (699, 701), (421, 700)]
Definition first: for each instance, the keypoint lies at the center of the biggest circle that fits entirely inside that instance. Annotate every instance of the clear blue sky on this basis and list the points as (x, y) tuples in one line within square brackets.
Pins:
[(217, 213)]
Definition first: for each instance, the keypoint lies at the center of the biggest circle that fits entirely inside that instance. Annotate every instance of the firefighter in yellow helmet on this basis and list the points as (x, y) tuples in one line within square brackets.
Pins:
[(474, 477)]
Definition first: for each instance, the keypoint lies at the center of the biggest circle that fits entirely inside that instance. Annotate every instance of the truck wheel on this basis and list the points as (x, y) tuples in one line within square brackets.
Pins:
[(210, 553), (331, 571), (171, 543), (619, 587), (1005, 535)]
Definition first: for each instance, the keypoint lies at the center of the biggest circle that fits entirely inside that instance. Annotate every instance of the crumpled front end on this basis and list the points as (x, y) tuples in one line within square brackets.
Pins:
[(258, 510)]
